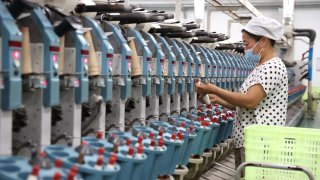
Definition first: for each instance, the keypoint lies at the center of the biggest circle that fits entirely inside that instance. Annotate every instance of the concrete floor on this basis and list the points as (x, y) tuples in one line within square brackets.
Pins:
[(225, 169), (222, 170), (313, 120)]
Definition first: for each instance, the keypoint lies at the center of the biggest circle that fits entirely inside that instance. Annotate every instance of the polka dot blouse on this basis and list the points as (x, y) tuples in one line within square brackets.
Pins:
[(272, 110)]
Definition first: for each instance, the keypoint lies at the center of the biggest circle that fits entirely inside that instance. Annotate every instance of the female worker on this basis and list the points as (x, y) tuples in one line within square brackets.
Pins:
[(263, 96)]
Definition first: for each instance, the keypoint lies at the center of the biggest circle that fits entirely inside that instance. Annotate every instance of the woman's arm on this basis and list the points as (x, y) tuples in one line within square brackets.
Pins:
[(249, 100), (216, 99)]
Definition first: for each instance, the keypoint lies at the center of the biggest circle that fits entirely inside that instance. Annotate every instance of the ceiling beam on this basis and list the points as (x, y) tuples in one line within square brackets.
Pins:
[(231, 14), (189, 4), (250, 7), (225, 8)]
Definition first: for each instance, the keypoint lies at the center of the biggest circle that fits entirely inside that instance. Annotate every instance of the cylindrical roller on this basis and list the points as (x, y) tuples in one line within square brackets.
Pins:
[(135, 66), (204, 39), (87, 14), (165, 30), (185, 68), (24, 6), (93, 62), (202, 33), (61, 53), (225, 46), (214, 35), (103, 8), (222, 38), (162, 13), (175, 68), (181, 35), (129, 18), (165, 67), (191, 25), (26, 52), (202, 73), (165, 15), (70, 23)]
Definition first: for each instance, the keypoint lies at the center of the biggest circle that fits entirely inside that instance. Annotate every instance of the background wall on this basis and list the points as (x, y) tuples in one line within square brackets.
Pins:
[(304, 17)]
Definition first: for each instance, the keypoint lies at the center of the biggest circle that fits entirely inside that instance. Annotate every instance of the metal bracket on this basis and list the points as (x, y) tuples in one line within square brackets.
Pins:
[(275, 166), (97, 81), (168, 80), (156, 80), (69, 81), (178, 80), (119, 81), (36, 81), (1, 82)]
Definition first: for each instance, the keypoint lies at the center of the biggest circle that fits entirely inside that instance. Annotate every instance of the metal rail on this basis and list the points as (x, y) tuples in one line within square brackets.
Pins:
[(275, 166)]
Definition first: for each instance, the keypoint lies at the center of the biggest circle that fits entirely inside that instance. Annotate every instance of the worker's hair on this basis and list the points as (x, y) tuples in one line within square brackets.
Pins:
[(257, 38)]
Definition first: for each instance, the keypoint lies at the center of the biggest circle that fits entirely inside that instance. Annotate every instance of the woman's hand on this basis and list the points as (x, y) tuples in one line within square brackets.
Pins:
[(205, 88), (214, 99)]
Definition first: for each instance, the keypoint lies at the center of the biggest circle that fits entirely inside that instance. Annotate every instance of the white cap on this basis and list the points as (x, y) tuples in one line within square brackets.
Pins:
[(264, 26)]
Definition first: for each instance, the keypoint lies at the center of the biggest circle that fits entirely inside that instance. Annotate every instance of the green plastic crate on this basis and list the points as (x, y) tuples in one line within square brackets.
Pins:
[(282, 145)]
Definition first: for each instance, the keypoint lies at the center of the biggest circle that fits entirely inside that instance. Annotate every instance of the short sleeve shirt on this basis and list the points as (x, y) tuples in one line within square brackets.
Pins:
[(272, 110)]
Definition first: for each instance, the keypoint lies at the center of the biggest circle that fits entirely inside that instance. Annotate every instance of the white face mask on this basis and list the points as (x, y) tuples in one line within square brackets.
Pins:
[(255, 58)]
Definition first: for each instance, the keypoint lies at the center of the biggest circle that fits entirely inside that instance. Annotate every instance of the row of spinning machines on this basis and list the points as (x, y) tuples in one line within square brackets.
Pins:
[(108, 92)]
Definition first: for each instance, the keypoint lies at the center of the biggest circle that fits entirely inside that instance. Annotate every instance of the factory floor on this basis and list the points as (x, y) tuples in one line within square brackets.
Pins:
[(311, 121), (225, 169), (222, 170)]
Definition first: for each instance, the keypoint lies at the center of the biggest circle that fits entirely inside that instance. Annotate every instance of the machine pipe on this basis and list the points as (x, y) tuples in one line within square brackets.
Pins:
[(311, 34), (103, 8)]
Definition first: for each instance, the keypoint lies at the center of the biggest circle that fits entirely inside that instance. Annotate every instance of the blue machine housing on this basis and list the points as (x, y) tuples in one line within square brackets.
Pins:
[(141, 46), (82, 56), (197, 60), (248, 67), (160, 58), (107, 55), (217, 67), (69, 155), (190, 62), (225, 69), (51, 45), (18, 168), (205, 61), (237, 71), (11, 42), (212, 64), (232, 68), (171, 58), (243, 70), (230, 60), (222, 67), (181, 60), (126, 54)]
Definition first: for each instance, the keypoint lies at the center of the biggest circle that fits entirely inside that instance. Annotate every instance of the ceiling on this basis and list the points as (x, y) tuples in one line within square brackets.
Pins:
[(186, 3), (237, 11), (279, 2)]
